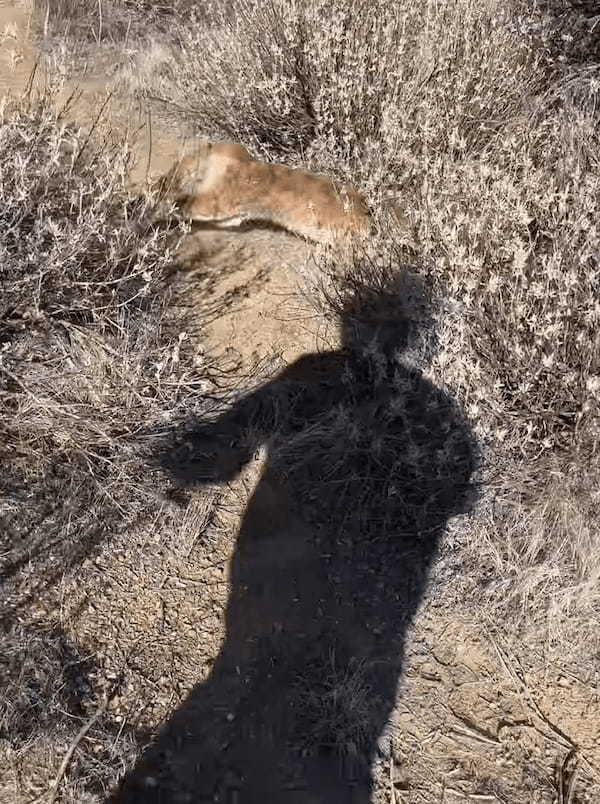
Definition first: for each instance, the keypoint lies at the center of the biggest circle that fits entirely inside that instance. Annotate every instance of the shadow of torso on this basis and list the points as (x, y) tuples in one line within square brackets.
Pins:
[(366, 462)]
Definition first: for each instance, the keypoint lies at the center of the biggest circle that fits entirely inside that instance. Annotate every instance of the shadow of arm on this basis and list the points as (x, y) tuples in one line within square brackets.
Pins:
[(217, 451)]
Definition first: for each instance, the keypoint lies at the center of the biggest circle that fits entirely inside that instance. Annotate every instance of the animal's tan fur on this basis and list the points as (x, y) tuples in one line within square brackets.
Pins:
[(222, 184)]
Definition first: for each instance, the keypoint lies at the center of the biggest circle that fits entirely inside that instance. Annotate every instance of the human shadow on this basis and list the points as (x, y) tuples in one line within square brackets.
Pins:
[(366, 462)]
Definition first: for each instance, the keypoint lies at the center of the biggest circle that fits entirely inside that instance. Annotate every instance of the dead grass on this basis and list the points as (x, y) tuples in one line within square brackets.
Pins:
[(500, 166), (92, 372), (48, 690), (86, 358), (111, 21), (496, 171), (479, 121), (334, 707)]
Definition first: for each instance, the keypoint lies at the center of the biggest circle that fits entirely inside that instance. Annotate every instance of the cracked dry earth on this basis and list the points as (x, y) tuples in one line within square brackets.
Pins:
[(478, 716)]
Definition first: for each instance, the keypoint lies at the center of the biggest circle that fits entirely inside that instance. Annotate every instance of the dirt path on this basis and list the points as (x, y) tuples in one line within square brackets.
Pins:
[(17, 54)]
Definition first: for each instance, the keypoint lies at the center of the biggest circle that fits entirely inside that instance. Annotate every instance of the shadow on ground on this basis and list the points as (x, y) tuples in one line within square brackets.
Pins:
[(367, 460)]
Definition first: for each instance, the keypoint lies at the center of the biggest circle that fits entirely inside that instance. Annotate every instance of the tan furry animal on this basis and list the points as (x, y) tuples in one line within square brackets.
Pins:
[(221, 183)]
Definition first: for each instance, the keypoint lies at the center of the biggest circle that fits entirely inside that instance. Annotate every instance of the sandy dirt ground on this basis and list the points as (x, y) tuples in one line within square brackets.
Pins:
[(472, 720)]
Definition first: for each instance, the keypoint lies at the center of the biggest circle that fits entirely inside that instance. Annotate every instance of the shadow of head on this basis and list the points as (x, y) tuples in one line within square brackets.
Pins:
[(389, 315), (366, 462)]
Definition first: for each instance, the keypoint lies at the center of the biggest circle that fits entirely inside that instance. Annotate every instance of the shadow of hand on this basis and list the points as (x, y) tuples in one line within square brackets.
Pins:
[(206, 456)]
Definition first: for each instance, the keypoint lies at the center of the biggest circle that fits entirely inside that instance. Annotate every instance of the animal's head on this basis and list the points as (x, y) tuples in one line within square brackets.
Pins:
[(184, 177), (171, 191)]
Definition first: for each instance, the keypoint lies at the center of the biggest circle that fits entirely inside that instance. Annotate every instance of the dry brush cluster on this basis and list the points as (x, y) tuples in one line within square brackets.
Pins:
[(476, 124), (86, 360), (94, 368)]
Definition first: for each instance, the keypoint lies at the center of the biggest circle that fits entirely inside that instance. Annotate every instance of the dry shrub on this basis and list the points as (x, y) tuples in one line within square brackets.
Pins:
[(46, 691), (94, 368), (539, 545), (479, 123), (333, 706), (515, 238), (496, 167), (479, 120), (34, 692), (573, 31), (90, 365), (513, 234), (110, 21), (372, 89)]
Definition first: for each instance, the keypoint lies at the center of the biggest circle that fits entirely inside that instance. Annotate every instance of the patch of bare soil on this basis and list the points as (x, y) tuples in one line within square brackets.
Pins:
[(274, 648), (17, 54)]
